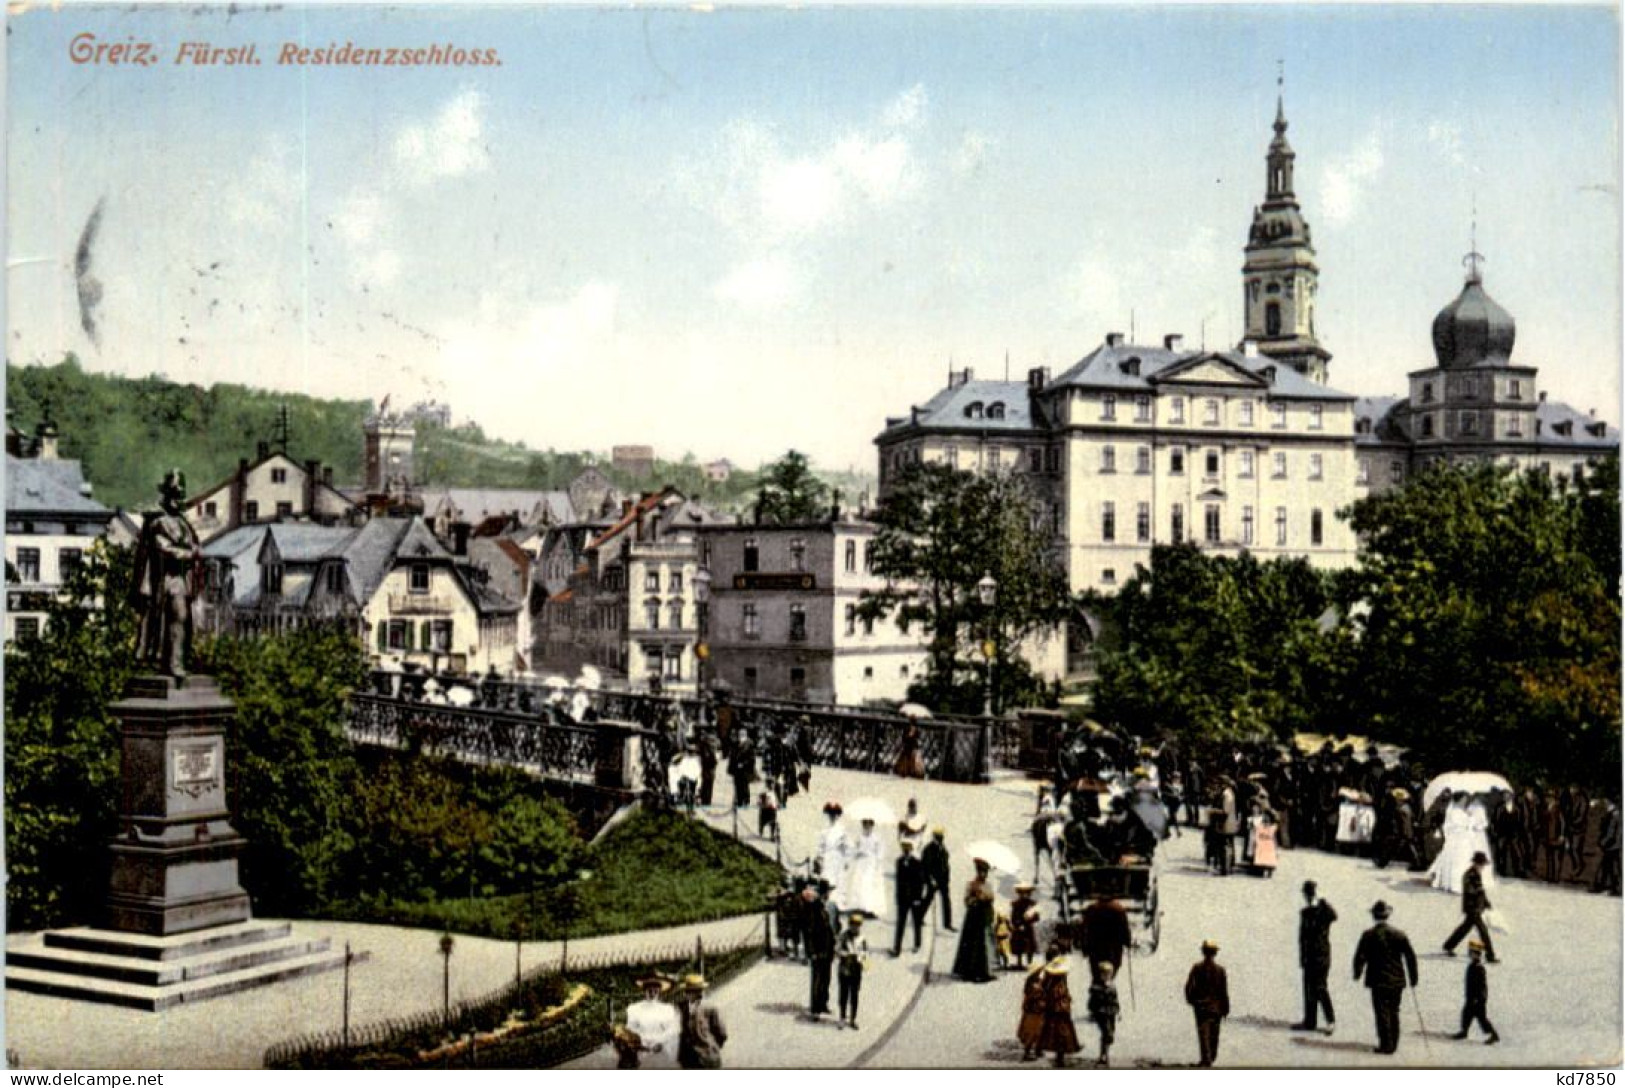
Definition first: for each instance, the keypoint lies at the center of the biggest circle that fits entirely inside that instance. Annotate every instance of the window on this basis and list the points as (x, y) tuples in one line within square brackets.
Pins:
[(1176, 523), (1317, 417), (1210, 524), (798, 681), (1396, 471), (440, 636), (1142, 409), (1469, 422), (1176, 461), (1108, 576), (68, 561), (1245, 468), (674, 663), (951, 455), (284, 510), (399, 635), (798, 555), (1211, 464), (868, 672), (1427, 392), (1142, 522), (1280, 526), (798, 623), (1514, 389), (1052, 459), (851, 619), (271, 579), (1278, 416), (251, 511), (418, 578), (651, 615), (1279, 471), (868, 556), (1108, 406), (279, 475), (1362, 473), (653, 660), (973, 410), (1210, 412), (1272, 319), (1142, 460), (750, 677), (1247, 525), (1315, 527), (651, 580), (1316, 466), (752, 555), (674, 581), (996, 410), (1427, 426), (27, 628), (1515, 425), (1246, 413), (675, 608), (1108, 459), (210, 511), (852, 555), (1176, 410), (335, 578), (1035, 460), (868, 625), (1108, 521), (752, 621)]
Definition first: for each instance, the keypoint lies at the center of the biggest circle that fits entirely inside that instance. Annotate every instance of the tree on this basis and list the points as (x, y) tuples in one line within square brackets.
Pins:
[(1490, 630), (790, 493), (941, 531)]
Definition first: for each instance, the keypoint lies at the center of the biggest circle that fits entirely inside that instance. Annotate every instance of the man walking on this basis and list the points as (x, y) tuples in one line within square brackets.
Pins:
[(936, 862), (1315, 959), (1384, 955), (1207, 992), (1106, 934), (819, 930), (1473, 905), (702, 1033), (910, 893), (742, 769)]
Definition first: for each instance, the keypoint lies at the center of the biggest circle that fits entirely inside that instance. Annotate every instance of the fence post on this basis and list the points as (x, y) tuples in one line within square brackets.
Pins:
[(767, 934)]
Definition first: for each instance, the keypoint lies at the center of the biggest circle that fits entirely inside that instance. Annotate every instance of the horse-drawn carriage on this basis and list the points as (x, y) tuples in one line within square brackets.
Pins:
[(1133, 884)]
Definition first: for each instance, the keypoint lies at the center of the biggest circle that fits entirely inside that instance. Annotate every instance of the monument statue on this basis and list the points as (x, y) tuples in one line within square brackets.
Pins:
[(167, 563)]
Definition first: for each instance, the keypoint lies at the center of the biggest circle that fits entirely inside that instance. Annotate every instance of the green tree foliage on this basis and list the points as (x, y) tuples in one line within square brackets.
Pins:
[(940, 532), (1491, 625), (790, 493), (1213, 648), (62, 746)]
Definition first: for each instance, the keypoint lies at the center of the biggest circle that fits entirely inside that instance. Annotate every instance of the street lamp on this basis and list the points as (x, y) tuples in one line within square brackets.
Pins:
[(987, 590), (702, 616), (446, 945)]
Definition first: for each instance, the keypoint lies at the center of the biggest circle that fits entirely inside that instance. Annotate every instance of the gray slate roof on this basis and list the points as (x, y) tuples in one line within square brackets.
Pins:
[(477, 504), (1104, 368), (1388, 419), (948, 409), (48, 486)]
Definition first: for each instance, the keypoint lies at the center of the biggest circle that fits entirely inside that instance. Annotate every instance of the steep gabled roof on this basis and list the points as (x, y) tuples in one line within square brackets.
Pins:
[(48, 486)]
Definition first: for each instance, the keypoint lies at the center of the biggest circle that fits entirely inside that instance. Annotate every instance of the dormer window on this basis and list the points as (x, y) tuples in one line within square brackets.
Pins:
[(271, 579), (1362, 426), (1597, 430), (1131, 366), (996, 410), (973, 410)]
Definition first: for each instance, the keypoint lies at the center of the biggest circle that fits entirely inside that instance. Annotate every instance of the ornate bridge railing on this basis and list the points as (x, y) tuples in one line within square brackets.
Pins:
[(510, 721)]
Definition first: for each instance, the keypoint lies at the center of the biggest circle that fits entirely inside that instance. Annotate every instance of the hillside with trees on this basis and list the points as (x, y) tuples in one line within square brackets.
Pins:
[(129, 431)]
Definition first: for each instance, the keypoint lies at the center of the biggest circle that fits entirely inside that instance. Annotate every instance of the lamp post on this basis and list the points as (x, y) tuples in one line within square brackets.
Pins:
[(572, 906), (446, 945), (702, 618), (987, 590)]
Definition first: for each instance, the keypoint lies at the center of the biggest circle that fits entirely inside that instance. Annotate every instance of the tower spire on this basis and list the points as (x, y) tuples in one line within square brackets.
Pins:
[(1474, 258)]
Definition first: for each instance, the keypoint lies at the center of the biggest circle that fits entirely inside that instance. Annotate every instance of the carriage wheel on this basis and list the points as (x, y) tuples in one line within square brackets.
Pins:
[(1155, 913)]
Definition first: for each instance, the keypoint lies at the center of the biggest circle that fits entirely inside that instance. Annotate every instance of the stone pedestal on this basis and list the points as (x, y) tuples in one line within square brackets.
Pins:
[(175, 859)]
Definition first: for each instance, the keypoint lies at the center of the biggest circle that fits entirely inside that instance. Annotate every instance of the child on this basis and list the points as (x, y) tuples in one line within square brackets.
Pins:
[(1024, 925), (852, 956), (1103, 1011), (1478, 996), (1001, 939), (767, 816), (1058, 1034), (1030, 1030)]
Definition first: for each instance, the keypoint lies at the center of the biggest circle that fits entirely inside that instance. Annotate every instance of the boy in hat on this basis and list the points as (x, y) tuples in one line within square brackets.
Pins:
[(702, 1036), (1103, 1009), (1478, 996), (1024, 924), (852, 957)]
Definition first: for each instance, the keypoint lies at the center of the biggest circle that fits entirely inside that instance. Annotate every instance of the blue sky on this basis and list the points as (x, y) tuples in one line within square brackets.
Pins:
[(732, 232)]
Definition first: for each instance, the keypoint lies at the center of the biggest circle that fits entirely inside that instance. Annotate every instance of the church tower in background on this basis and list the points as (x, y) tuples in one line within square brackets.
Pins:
[(1280, 277)]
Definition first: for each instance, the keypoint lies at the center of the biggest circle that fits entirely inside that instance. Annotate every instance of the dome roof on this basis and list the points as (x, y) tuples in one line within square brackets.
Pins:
[(1473, 330)]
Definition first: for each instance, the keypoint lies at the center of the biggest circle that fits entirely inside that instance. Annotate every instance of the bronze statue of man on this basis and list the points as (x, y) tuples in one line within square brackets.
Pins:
[(166, 564)]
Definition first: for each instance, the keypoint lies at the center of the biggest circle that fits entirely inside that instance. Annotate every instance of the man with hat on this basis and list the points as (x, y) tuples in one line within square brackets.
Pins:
[(1207, 992), (702, 1035), (167, 560), (852, 952), (935, 859), (1384, 955), (1315, 959), (1106, 933), (909, 888), (818, 931), (651, 1025), (1473, 905)]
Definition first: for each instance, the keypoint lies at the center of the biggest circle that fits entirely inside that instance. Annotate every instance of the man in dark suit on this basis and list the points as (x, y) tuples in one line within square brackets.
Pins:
[(910, 890), (1384, 955), (1473, 905), (1207, 992), (1106, 933), (742, 769), (819, 933), (1315, 959), (935, 859)]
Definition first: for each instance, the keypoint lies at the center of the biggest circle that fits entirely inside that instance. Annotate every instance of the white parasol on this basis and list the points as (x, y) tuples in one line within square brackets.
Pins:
[(460, 696), (913, 710), (591, 679), (872, 808), (578, 705), (1463, 782), (996, 854), (556, 682)]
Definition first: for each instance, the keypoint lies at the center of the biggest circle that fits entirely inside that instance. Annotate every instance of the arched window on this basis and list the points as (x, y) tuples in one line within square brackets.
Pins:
[(973, 410), (1272, 319), (996, 410)]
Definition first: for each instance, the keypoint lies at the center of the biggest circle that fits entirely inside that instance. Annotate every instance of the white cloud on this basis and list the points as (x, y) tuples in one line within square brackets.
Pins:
[(1344, 180), (906, 109), (763, 283), (1445, 138), (449, 145), (877, 167), (268, 191), (972, 153), (357, 219), (798, 196)]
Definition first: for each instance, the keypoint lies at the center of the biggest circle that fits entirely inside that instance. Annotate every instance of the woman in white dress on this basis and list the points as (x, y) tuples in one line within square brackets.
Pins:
[(1457, 852), (1478, 840), (832, 854), (865, 882)]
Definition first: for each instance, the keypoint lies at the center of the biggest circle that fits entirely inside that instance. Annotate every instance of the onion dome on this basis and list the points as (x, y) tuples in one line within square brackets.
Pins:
[(1473, 330)]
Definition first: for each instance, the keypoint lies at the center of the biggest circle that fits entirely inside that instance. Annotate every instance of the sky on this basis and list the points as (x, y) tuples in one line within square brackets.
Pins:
[(737, 231)]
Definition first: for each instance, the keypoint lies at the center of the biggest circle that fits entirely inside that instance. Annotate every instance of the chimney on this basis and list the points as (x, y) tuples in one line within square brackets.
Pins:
[(835, 507), (313, 473), (1249, 348), (327, 475), (1114, 339), (1173, 342), (966, 375), (1543, 396), (459, 537), (1037, 378), (756, 511)]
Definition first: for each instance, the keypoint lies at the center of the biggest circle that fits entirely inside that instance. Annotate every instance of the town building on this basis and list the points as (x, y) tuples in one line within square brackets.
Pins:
[(719, 471), (51, 521), (635, 461), (594, 495), (628, 608), (389, 485), (521, 508), (782, 618), (272, 487)]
